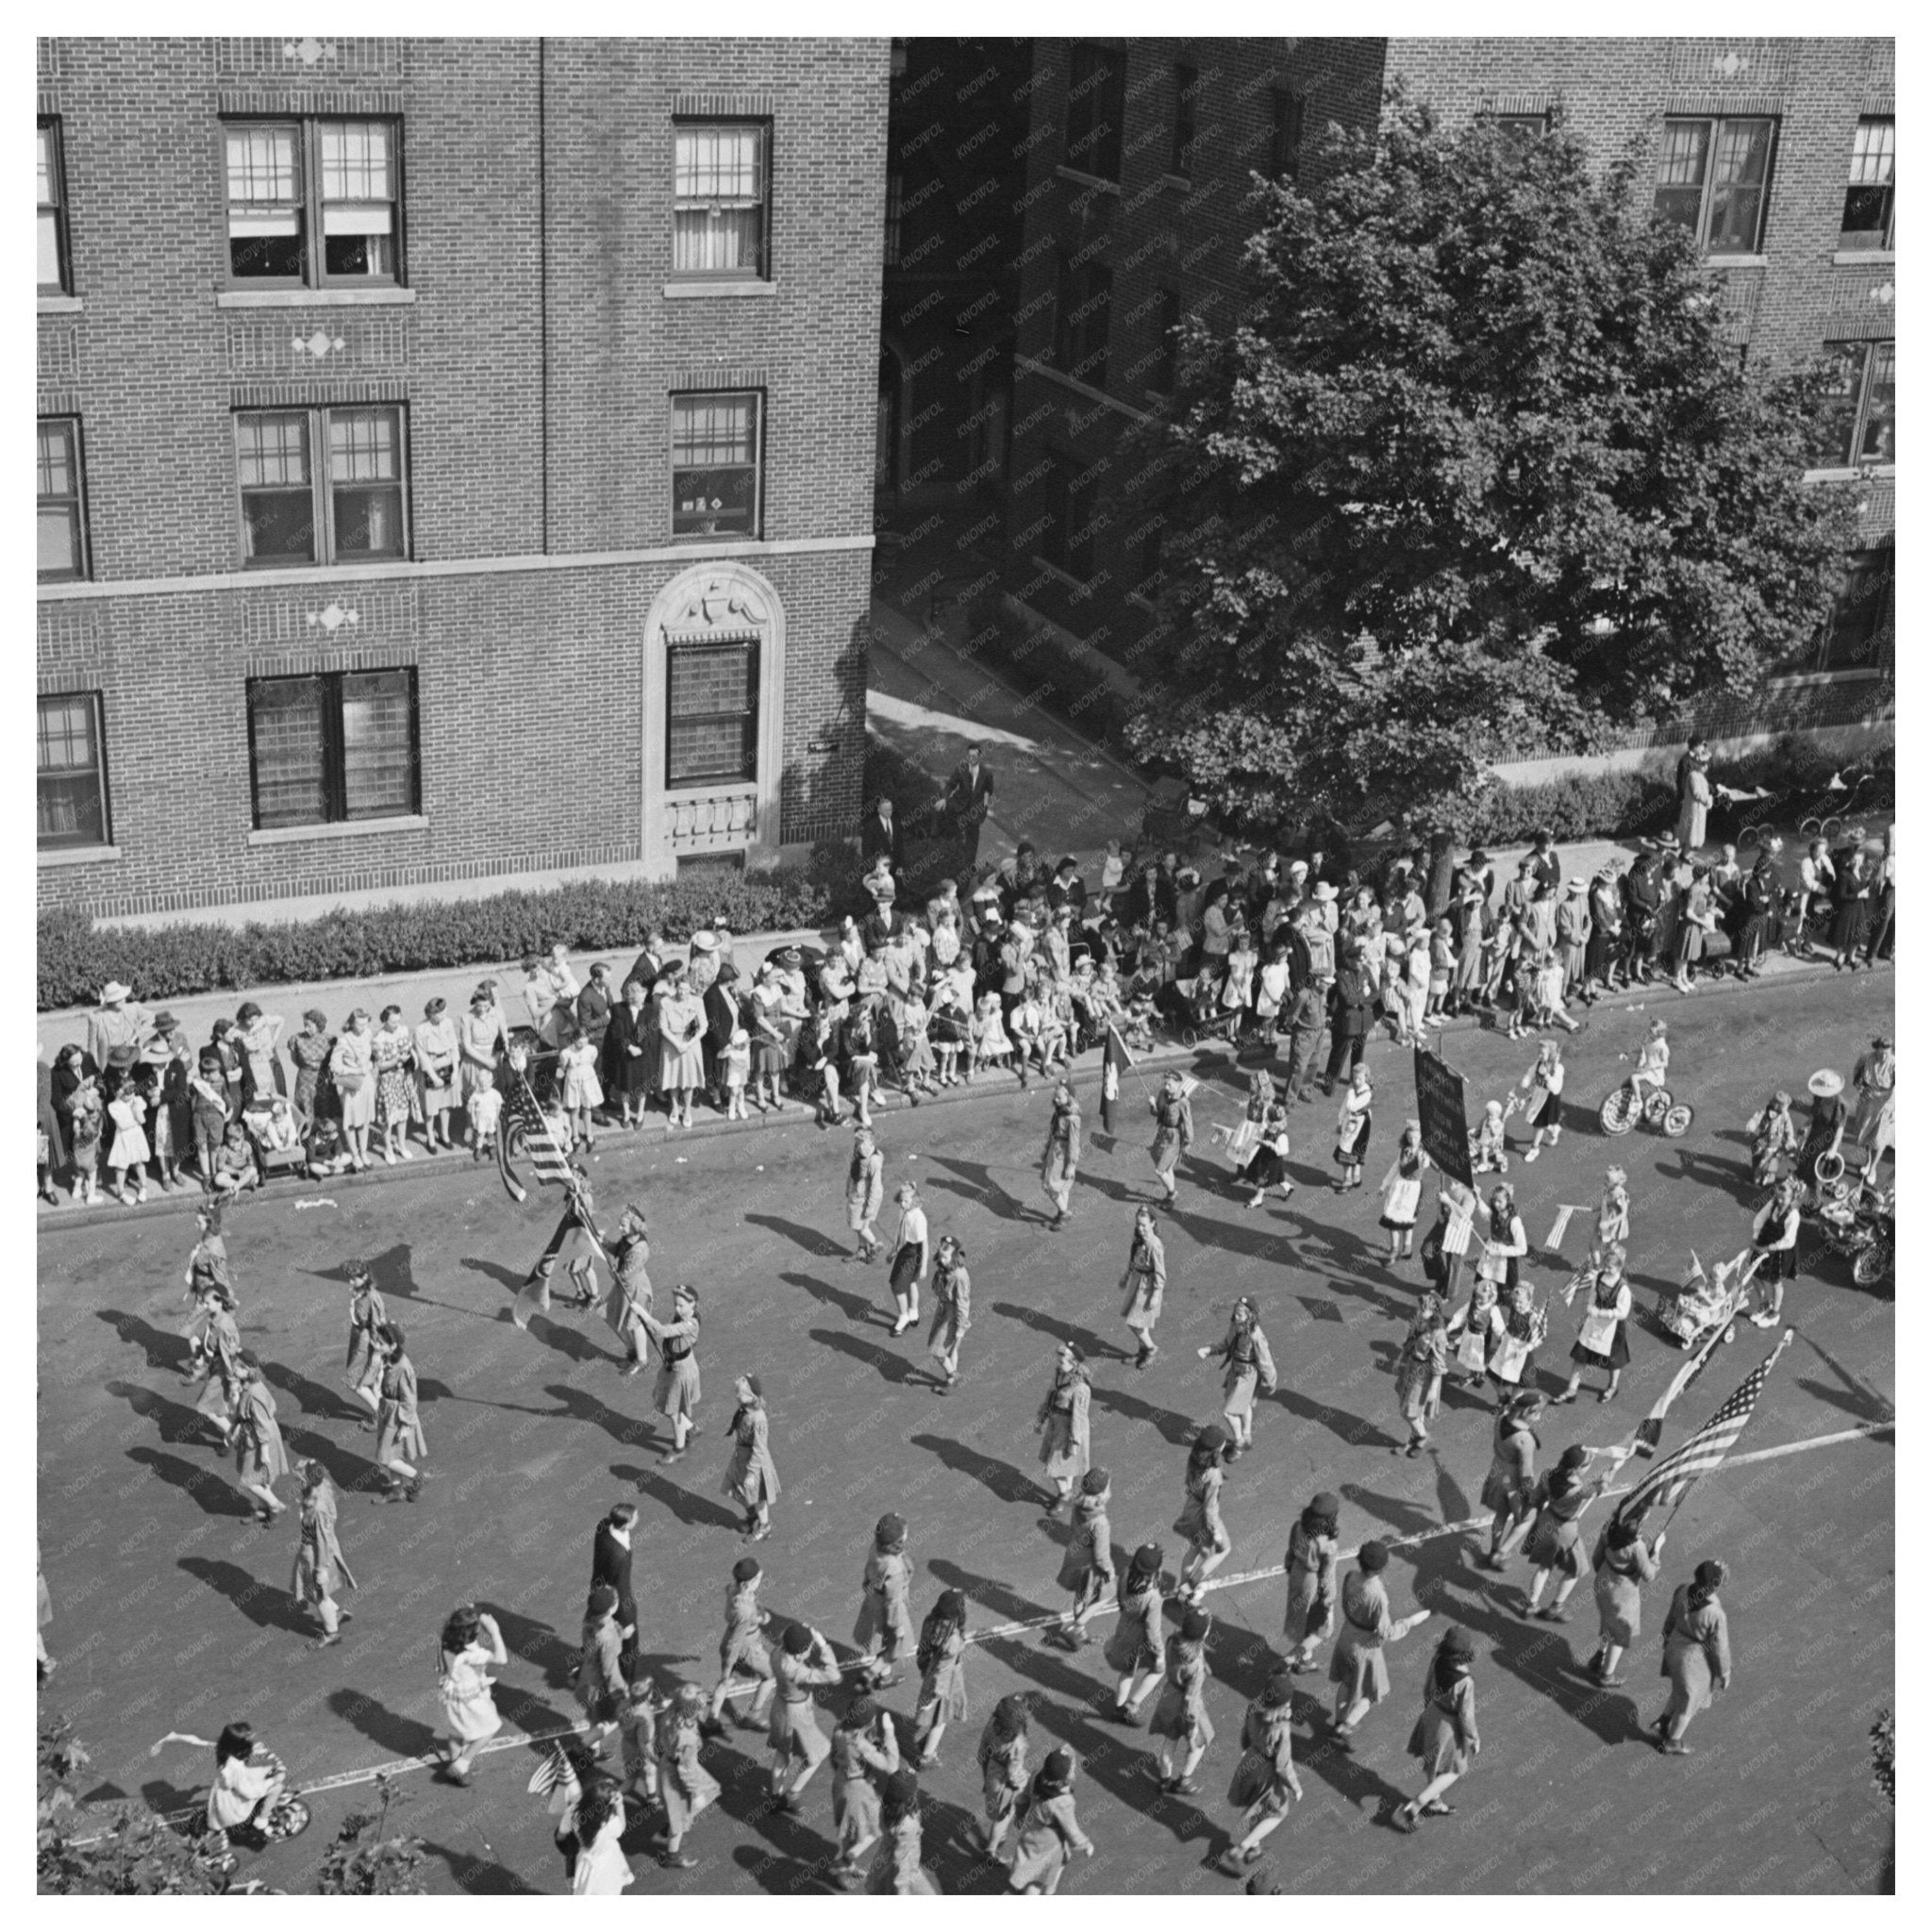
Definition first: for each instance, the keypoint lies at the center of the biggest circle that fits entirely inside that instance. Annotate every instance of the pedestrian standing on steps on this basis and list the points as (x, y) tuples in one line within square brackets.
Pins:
[(910, 1255), (941, 1659), (368, 1316), (1181, 1716), (678, 1389), (1087, 1568), (884, 1629), (1144, 1284), (1248, 1365), (319, 1555), (1064, 1439), (399, 1443), (743, 1648), (1698, 1654), (631, 1296), (1264, 1782), (1137, 1651), (865, 1192), (951, 1294), (1445, 1737), (1174, 1131), (1312, 1549), (1624, 1563), (1061, 1160), (751, 1480)]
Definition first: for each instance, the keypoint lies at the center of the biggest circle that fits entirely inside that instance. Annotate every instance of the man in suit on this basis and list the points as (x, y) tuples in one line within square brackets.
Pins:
[(879, 836), (611, 1561), (649, 963), (969, 798)]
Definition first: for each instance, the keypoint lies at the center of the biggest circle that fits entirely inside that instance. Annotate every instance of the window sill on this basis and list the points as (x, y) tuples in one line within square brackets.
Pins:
[(1844, 258), (76, 854), (1184, 182), (313, 298), (1861, 474), (1737, 261), (685, 290), (1065, 576), (1085, 180), (348, 828), (60, 305)]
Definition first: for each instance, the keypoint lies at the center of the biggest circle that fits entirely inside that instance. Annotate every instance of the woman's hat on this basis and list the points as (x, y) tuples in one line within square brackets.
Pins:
[(1325, 1503), (124, 1056), (1278, 1692), (1095, 1482), (1711, 1574), (1325, 892), (1147, 1559), (792, 957), (603, 1599), (684, 1291), (1457, 1642), (1828, 1085), (892, 1529), (1579, 886), (114, 991), (797, 1640), (1195, 1624), (1573, 1458), (158, 1051), (165, 1021), (703, 942), (756, 1386), (1374, 1556)]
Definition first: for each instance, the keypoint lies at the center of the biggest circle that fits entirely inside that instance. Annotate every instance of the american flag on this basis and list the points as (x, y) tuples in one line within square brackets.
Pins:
[(1672, 1479), (1114, 1062), (522, 1124)]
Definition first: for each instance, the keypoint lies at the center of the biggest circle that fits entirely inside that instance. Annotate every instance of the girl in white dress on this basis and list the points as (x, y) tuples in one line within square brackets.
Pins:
[(470, 1641)]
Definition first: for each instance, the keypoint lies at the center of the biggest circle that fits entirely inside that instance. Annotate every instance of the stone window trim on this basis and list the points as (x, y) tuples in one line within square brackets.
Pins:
[(347, 828), (386, 296)]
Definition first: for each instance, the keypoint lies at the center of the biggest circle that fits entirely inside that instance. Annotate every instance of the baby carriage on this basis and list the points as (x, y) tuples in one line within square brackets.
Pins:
[(1707, 1301)]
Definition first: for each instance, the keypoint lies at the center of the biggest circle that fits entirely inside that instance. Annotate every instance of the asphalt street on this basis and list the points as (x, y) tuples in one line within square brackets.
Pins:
[(172, 1612)]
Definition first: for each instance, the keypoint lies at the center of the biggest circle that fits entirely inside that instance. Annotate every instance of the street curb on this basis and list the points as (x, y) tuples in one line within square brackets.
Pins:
[(799, 1113)]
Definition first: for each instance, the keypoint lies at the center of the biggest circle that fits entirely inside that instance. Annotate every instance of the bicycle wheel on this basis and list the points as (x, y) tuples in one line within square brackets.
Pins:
[(1619, 1112), (1676, 1120), (1830, 827), (1871, 1265)]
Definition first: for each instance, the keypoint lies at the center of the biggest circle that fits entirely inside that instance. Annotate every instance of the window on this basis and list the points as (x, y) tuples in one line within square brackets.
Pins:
[(1714, 179), (722, 171), (1167, 319), (313, 204), (895, 205), (328, 749), (1291, 110), (714, 465), (50, 245), (1859, 421), (60, 523), (1096, 103), (1185, 82), (289, 516), (1527, 126), (711, 715), (1860, 636), (1081, 314), (71, 805), (1066, 541), (1868, 217)]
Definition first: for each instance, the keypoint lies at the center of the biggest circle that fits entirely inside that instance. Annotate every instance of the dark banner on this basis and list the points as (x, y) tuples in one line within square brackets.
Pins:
[(1439, 1106)]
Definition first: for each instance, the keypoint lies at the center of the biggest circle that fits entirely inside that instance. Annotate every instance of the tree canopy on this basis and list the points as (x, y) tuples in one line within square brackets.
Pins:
[(1476, 475)]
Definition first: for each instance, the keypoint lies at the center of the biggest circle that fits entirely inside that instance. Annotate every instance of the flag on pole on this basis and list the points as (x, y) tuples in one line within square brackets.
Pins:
[(522, 1124), (1116, 1062), (1671, 1479), (1650, 1430)]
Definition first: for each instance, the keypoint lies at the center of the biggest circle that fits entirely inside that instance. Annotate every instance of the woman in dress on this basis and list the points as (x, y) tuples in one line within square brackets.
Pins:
[(1698, 1654), (1248, 1366), (399, 1443), (942, 1660), (1087, 1566), (318, 1563), (1137, 1651), (1445, 1737), (676, 1395), (601, 1869), (895, 1867), (865, 1192), (310, 1050), (260, 1454), (1353, 1125), (910, 1255), (1064, 1439), (805, 1663), (471, 1642), (1181, 1716), (1144, 1284), (438, 1052), (952, 1295), (1556, 1539), (629, 1056), (1851, 900), (393, 1058), (685, 1788), (884, 1628), (1825, 1135), (751, 1480), (1873, 1079), (1510, 1485), (1401, 1192), (480, 1038), (368, 1316), (1264, 1782), (1624, 1563), (1696, 921), (1542, 1088), (1419, 1368), (1049, 1830), (1312, 1548), (1003, 1767), (579, 1088), (865, 1750), (1601, 1342), (680, 1045), (1267, 1164), (256, 1034), (1358, 1670), (250, 1786), (351, 1066), (1518, 1328), (1173, 1130)]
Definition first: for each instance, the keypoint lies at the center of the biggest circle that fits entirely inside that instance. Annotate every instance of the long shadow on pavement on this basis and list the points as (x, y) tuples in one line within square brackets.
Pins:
[(403, 1737), (266, 1608), (1010, 1485), (164, 1349), (215, 1496), (173, 1422), (481, 1877), (1089, 1344), (1005, 1603), (1171, 1425), (893, 1367), (632, 1431), (694, 1512), (814, 1240), (854, 1308), (317, 1398), (980, 1186)]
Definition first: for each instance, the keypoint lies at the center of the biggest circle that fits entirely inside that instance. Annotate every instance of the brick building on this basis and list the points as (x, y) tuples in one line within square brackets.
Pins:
[(1779, 154), (454, 459)]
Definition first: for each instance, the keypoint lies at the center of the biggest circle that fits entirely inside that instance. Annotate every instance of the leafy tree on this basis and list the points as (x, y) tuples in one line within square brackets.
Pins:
[(1477, 473), (1883, 1735), (366, 1860), (119, 1851)]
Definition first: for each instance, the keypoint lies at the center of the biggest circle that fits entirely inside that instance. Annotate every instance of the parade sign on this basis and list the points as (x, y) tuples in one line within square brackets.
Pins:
[(1439, 1106)]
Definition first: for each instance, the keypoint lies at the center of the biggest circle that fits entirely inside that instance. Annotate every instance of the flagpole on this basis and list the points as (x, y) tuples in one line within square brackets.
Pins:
[(1784, 1342)]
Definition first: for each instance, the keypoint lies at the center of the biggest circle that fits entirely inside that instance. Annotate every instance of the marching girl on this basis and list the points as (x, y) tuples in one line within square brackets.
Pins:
[(1144, 1284), (1505, 1244), (601, 1869), (1174, 1131), (1137, 1651), (942, 1660), (1264, 1782), (1401, 1192), (751, 1478), (637, 1730), (1556, 1539), (221, 1350), (884, 1629), (1469, 1333), (865, 1750), (1310, 1566), (1419, 1370), (1613, 1211), (895, 1867), (1358, 1670), (1003, 1767), (743, 1648), (1199, 1521), (1489, 1146), (1624, 1563), (987, 1044), (1601, 1342), (1773, 1137), (910, 1255), (1060, 1161), (1697, 1654), (600, 1686), (368, 1317), (261, 1457), (685, 1788), (1517, 1329), (632, 1295), (319, 1555), (398, 1430), (1087, 1568), (1064, 1440), (951, 1294), (1508, 1488), (675, 1397), (1267, 1166), (1445, 1737), (1352, 1127), (1456, 1209), (470, 1641), (865, 1192), (1249, 1364), (1048, 1828), (1544, 1085), (208, 1261), (1181, 1716), (805, 1663)]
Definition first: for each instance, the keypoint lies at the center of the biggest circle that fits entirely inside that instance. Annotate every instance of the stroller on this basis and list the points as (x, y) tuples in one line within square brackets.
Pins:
[(1707, 1301)]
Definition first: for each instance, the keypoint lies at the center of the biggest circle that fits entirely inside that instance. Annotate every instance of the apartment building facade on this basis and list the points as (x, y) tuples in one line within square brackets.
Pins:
[(454, 459), (1780, 154)]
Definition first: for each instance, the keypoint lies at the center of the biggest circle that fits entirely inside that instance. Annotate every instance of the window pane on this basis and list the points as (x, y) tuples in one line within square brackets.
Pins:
[(1832, 446), (262, 164), (70, 808), (57, 488), (264, 203), (43, 165), (1860, 633), (290, 788), (710, 242), (57, 542), (1680, 170), (47, 250), (378, 757), (1877, 442), (714, 464), (54, 460), (354, 161), (712, 713), (717, 163), (1743, 160), (1874, 154)]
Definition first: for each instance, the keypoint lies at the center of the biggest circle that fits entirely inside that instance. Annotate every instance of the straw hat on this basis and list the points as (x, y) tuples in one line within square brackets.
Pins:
[(1828, 1085)]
